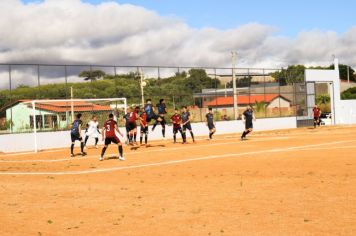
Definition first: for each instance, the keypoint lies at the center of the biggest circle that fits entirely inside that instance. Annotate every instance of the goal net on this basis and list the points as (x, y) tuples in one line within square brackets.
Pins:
[(50, 120)]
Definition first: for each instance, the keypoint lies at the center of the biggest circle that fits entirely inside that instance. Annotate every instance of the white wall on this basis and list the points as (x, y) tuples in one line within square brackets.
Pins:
[(48, 140)]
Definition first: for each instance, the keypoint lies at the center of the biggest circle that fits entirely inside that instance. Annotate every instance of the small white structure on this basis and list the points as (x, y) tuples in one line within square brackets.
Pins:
[(343, 111)]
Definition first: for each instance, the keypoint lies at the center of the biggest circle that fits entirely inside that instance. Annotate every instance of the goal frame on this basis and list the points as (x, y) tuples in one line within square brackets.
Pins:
[(33, 102)]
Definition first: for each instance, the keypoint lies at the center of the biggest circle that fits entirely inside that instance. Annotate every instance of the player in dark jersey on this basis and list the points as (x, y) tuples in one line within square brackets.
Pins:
[(177, 121), (75, 134), (186, 122), (126, 119), (316, 115), (210, 123), (109, 136), (161, 108), (149, 110), (248, 117), (144, 126), (133, 125)]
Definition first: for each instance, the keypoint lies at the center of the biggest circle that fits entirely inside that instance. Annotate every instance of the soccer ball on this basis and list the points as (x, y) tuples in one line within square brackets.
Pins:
[(144, 83)]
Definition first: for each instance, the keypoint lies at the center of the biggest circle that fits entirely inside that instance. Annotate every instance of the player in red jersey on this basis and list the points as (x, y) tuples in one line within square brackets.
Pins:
[(133, 125), (177, 121), (109, 136), (316, 114), (144, 126)]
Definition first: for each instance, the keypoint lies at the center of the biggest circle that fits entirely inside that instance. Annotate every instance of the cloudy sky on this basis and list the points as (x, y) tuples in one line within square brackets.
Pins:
[(187, 33)]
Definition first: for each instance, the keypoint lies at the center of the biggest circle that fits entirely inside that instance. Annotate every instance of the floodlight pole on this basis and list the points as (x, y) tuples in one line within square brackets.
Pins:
[(141, 84), (233, 60)]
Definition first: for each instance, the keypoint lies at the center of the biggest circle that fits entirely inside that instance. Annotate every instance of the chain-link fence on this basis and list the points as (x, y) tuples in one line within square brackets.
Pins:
[(271, 92)]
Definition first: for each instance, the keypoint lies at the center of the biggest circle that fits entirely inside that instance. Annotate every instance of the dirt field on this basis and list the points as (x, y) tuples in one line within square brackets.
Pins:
[(291, 182)]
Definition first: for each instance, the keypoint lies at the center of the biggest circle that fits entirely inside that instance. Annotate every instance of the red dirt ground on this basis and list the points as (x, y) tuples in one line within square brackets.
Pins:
[(287, 182)]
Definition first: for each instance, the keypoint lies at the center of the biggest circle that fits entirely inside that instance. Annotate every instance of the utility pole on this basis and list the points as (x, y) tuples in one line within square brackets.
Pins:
[(71, 103), (233, 61), (142, 84), (348, 74)]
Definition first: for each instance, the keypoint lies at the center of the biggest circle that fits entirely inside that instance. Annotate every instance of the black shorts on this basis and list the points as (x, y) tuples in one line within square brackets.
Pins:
[(109, 140), (132, 126), (316, 119), (127, 128), (152, 117), (187, 126), (176, 129), (249, 125), (75, 137), (144, 129), (211, 126), (162, 121)]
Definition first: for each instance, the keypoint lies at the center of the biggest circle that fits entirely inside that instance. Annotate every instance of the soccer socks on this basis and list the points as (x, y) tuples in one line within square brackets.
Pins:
[(130, 137), (146, 138), (120, 150), (135, 136), (174, 138), (96, 141), (72, 148), (245, 133), (82, 147), (192, 135), (86, 140), (163, 131), (154, 125), (184, 137), (103, 151), (141, 138)]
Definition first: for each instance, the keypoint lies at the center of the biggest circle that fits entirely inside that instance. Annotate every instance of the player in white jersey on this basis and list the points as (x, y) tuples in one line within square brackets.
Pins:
[(92, 131)]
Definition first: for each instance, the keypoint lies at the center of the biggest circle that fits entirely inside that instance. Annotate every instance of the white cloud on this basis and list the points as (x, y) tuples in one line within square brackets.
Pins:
[(70, 31)]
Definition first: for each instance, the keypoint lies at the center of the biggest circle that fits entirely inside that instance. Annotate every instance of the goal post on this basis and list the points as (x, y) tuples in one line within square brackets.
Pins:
[(57, 114)]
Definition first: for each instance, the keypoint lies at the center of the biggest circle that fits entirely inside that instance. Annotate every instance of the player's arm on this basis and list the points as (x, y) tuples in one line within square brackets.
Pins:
[(141, 122), (253, 116)]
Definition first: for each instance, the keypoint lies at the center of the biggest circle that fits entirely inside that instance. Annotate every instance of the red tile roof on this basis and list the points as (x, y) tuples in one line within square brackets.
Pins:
[(242, 100), (78, 106)]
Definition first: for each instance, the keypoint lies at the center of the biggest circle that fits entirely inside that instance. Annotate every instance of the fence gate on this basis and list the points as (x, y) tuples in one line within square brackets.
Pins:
[(305, 101)]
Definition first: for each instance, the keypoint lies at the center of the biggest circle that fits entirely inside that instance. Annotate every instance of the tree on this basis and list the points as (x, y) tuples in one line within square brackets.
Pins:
[(343, 72), (293, 74), (349, 94), (92, 75)]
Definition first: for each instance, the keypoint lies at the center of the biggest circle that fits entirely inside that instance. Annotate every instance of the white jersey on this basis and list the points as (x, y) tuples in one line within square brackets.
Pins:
[(93, 129)]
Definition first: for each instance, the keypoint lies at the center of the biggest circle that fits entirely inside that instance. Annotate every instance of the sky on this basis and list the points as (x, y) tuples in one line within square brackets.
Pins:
[(271, 33)]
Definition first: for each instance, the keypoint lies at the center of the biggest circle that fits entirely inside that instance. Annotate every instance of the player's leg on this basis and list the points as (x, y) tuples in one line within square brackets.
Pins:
[(106, 144), (135, 135), (141, 134), (119, 147), (127, 134), (211, 132), (72, 145), (96, 142), (163, 124), (82, 147), (174, 135), (146, 135), (86, 140), (189, 127), (183, 135)]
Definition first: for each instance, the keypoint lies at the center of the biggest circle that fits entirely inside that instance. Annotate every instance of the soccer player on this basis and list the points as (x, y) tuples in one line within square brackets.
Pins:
[(109, 136), (161, 107), (248, 117), (144, 126), (92, 131), (149, 110), (133, 126), (177, 120), (186, 123), (316, 114), (210, 123), (126, 119), (75, 134)]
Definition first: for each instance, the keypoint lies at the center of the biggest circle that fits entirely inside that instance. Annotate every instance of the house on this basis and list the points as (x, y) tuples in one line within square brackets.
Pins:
[(49, 115), (271, 100), (274, 104)]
